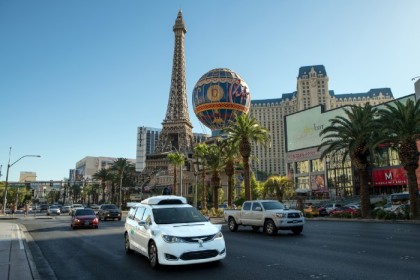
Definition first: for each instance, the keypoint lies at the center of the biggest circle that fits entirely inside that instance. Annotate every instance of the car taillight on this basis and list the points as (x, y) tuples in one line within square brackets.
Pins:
[(95, 220)]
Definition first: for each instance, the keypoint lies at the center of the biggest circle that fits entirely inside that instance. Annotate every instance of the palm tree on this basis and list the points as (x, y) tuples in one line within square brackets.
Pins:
[(215, 163), (401, 125), (245, 130), (356, 137), (120, 165), (103, 175), (277, 185), (177, 159), (200, 153), (230, 153)]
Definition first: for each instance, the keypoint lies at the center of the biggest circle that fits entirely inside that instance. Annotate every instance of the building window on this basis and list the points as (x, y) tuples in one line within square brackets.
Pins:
[(302, 167), (317, 165)]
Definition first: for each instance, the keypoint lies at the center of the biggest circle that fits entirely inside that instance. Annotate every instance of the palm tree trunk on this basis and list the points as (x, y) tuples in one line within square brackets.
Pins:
[(174, 192), (247, 182), (103, 191), (120, 192), (413, 191), (204, 190), (229, 171), (230, 184), (215, 184), (364, 193)]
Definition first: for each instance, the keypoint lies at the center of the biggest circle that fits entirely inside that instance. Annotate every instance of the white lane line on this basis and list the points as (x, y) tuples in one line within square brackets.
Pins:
[(19, 238)]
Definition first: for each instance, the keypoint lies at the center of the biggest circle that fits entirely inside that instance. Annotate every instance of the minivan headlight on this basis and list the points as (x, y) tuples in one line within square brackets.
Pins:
[(218, 235), (172, 239)]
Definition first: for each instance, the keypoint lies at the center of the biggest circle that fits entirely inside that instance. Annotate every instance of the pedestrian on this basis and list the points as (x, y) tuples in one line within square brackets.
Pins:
[(26, 209)]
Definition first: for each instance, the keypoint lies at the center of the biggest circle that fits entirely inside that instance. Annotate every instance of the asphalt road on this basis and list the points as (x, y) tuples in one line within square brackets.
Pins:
[(325, 250)]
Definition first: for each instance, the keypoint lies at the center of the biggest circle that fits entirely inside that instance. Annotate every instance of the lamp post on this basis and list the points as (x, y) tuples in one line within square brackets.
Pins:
[(7, 176), (195, 164)]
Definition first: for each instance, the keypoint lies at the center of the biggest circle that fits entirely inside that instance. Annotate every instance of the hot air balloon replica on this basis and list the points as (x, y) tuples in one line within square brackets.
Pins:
[(218, 97)]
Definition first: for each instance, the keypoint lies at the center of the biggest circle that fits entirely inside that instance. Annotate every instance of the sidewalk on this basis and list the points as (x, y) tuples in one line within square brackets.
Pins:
[(16, 261)]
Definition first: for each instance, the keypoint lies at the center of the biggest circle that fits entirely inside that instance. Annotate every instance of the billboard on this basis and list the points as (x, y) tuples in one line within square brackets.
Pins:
[(302, 128)]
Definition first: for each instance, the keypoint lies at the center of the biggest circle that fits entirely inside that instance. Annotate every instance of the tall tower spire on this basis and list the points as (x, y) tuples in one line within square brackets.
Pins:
[(176, 132)]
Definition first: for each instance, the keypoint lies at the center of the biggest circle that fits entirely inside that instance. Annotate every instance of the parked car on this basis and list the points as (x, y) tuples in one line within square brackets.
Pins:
[(66, 209), (95, 207), (322, 211), (386, 207), (331, 206), (84, 218), (344, 209), (311, 210), (53, 210), (75, 207), (44, 207), (223, 206), (402, 209), (354, 206), (109, 211), (169, 231)]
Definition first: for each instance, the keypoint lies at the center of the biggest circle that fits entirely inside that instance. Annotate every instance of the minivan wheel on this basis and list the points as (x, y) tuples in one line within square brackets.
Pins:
[(128, 249), (153, 255)]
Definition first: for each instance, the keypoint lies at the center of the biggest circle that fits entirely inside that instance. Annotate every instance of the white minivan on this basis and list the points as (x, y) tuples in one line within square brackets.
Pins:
[(169, 231)]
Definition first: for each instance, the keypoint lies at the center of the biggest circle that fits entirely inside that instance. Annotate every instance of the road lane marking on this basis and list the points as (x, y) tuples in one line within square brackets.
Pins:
[(19, 237)]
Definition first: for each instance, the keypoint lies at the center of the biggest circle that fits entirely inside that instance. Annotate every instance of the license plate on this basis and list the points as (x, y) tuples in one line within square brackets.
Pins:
[(86, 223), (295, 221)]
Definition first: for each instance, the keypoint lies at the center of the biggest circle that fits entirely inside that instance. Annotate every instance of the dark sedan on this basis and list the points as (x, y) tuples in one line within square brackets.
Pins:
[(109, 211), (84, 218)]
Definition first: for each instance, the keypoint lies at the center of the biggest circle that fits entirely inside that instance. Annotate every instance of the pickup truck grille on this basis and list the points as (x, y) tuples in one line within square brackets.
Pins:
[(293, 215)]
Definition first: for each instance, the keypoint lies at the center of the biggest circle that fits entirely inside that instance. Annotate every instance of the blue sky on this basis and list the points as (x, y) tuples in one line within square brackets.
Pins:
[(78, 77)]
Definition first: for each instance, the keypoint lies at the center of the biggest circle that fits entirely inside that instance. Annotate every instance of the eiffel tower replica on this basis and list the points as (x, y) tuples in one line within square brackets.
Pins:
[(176, 134)]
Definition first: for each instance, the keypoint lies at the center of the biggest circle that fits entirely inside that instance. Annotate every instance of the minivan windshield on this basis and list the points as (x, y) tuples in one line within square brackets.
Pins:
[(177, 215)]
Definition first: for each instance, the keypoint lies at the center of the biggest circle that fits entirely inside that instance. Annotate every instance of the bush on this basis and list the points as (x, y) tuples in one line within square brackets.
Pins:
[(379, 214), (308, 215), (390, 215), (213, 212)]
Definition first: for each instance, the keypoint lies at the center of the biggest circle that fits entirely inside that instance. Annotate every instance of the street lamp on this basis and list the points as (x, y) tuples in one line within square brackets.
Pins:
[(7, 177)]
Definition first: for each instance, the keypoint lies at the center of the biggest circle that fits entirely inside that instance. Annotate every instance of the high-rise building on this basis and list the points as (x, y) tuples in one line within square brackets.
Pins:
[(86, 167), (27, 176), (417, 87), (312, 90), (147, 138)]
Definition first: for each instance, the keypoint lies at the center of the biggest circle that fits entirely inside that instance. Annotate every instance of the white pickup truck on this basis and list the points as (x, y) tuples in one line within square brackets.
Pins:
[(269, 214)]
